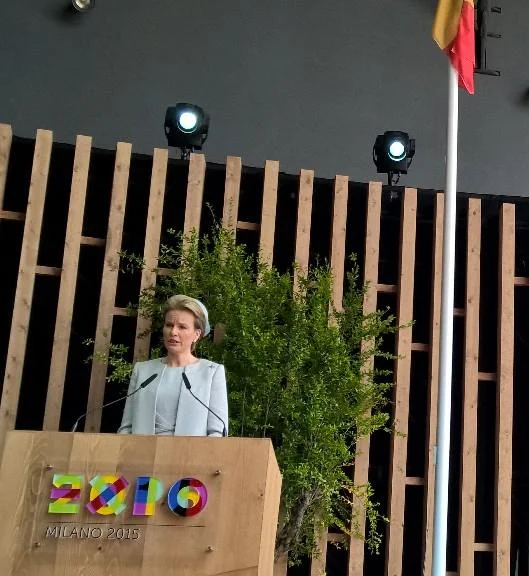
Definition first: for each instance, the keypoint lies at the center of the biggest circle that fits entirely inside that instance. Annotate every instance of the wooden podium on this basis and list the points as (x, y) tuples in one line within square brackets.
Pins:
[(202, 506)]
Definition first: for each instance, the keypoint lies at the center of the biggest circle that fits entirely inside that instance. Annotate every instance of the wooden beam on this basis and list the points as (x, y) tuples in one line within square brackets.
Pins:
[(6, 137), (469, 433), (232, 187), (338, 235), (70, 265), (195, 193), (268, 212), (433, 385), (337, 257), (401, 391), (504, 392), (109, 282), (361, 468), (151, 246), (26, 281), (306, 182)]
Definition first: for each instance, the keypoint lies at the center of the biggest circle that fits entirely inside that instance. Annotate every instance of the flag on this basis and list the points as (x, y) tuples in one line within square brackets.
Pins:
[(453, 30)]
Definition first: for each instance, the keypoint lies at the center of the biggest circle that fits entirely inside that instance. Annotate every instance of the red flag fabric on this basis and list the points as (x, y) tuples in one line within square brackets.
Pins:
[(453, 31)]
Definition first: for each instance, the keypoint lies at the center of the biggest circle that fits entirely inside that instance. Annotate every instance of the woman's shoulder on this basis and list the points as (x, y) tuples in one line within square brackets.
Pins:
[(205, 364), (148, 365)]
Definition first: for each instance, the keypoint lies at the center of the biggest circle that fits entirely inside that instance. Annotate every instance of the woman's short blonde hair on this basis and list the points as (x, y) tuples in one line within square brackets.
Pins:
[(199, 311)]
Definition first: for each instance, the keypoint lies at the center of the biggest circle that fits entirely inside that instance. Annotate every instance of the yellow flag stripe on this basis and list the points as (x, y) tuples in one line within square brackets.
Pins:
[(446, 21)]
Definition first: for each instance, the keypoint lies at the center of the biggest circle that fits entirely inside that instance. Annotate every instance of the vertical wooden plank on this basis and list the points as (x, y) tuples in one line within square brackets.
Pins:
[(469, 436), (504, 392), (108, 284), (361, 468), (25, 283), (268, 212), (398, 451), (151, 246), (232, 188), (195, 192), (6, 136), (70, 263), (306, 181), (433, 385), (337, 257), (339, 229)]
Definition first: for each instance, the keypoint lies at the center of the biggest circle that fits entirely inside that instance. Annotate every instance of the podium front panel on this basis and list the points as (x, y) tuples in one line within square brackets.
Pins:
[(107, 504)]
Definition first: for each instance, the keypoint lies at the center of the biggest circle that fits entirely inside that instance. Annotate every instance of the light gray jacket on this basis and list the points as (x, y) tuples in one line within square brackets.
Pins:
[(208, 382)]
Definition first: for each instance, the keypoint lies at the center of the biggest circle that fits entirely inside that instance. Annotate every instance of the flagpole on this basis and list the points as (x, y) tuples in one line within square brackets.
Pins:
[(442, 453)]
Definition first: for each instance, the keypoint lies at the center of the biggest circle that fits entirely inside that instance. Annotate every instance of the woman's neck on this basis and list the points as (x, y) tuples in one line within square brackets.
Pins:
[(178, 360)]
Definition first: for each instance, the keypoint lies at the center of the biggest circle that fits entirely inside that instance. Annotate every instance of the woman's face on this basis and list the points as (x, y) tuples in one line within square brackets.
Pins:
[(179, 331)]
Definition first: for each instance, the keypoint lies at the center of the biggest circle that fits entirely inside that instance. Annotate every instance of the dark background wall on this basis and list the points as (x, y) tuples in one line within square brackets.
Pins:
[(310, 83)]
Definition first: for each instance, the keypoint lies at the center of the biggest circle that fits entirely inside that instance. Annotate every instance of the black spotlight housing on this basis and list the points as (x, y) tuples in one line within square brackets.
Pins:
[(83, 5), (186, 127), (392, 154)]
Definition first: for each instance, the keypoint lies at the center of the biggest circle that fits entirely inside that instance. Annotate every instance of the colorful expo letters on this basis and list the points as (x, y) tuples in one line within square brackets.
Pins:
[(186, 497)]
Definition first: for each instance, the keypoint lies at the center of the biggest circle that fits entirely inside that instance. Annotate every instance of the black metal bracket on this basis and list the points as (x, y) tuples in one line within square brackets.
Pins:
[(483, 12)]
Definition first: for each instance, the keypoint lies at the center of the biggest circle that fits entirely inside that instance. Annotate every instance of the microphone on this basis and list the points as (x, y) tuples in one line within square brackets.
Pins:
[(145, 383), (188, 386)]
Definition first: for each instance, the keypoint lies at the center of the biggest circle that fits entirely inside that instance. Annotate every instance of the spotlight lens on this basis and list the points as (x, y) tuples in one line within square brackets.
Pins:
[(397, 151), (188, 121), (82, 5)]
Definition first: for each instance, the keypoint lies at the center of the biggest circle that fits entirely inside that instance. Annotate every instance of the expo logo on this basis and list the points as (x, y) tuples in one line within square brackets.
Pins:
[(186, 497)]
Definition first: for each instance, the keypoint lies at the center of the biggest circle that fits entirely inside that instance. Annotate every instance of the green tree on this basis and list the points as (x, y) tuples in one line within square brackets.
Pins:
[(296, 373)]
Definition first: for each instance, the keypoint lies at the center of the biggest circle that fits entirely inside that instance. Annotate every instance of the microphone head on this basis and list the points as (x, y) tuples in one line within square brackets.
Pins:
[(186, 381), (149, 380)]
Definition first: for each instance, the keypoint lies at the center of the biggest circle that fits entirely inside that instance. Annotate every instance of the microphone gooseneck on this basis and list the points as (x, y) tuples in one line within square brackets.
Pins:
[(188, 386), (145, 383)]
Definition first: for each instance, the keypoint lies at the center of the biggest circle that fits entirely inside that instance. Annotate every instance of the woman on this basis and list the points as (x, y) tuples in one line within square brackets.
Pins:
[(166, 406)]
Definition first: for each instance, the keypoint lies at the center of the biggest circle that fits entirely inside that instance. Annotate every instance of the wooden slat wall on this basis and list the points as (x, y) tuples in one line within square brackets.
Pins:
[(361, 468), (268, 212), (398, 451), (403, 288), (433, 385), (109, 285), (151, 246), (469, 435), (504, 393), (70, 263), (6, 136), (231, 193), (337, 258), (306, 182), (26, 282)]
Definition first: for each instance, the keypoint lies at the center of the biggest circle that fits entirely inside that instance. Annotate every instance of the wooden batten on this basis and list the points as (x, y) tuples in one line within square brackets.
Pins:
[(339, 230), (504, 393), (433, 385), (70, 264), (306, 182), (109, 283), (26, 282), (232, 187), (337, 258), (151, 246), (195, 193), (268, 212), (469, 435), (6, 137), (361, 468), (398, 446)]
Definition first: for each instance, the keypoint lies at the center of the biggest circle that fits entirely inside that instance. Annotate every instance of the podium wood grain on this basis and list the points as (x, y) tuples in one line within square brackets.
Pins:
[(234, 534)]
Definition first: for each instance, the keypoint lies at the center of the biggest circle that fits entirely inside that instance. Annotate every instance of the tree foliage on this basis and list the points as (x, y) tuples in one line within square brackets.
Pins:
[(298, 372)]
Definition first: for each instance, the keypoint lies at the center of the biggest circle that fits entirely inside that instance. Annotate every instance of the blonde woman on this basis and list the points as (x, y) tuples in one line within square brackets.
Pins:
[(174, 402)]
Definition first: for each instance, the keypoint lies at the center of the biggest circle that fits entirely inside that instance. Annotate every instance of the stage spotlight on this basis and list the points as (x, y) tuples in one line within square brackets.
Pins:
[(83, 5), (392, 154), (186, 127)]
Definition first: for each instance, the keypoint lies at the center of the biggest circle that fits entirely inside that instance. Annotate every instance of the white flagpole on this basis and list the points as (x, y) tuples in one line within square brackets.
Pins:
[(442, 456)]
